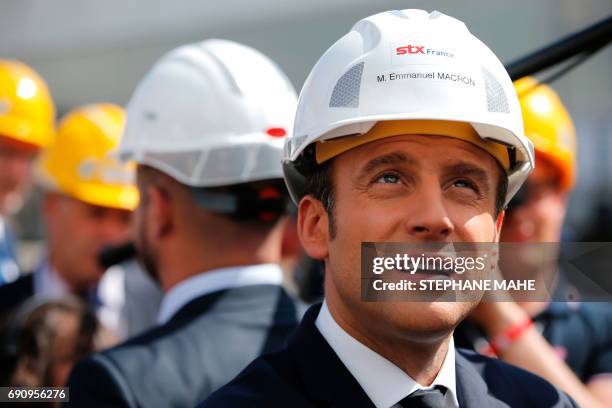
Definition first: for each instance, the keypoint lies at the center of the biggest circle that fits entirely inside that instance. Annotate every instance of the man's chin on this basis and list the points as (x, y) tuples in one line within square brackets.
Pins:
[(11, 203), (422, 321)]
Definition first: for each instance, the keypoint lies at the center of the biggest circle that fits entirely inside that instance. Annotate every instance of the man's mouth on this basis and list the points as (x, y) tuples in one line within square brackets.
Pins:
[(433, 272)]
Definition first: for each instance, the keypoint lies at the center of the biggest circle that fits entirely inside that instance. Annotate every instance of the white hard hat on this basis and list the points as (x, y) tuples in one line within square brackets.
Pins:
[(209, 114), (407, 65)]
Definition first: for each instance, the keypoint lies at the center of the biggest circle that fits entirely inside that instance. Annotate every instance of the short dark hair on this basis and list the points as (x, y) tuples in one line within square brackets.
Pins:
[(319, 184)]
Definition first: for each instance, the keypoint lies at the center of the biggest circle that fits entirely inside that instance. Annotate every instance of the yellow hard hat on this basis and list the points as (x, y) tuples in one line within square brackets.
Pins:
[(27, 113), (549, 126), (80, 163)]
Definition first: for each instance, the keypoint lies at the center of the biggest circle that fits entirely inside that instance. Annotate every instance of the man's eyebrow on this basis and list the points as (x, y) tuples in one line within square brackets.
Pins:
[(469, 169), (389, 158)]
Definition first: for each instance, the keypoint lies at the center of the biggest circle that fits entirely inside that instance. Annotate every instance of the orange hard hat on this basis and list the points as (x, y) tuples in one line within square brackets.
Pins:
[(27, 113), (81, 164), (549, 126)]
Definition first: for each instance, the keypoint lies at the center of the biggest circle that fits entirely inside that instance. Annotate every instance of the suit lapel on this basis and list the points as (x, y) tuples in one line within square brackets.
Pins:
[(326, 380), (472, 390), (195, 308), (329, 383)]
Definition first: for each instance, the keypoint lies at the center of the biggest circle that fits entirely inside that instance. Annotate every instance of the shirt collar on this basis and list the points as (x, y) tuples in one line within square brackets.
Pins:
[(48, 283), (384, 382), (216, 280)]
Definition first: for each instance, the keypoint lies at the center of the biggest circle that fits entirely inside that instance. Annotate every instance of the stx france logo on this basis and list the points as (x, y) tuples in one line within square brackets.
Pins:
[(410, 49), (420, 49)]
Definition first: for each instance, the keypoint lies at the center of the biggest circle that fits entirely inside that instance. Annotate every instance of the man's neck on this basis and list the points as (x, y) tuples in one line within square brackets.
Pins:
[(172, 275), (181, 259), (421, 360)]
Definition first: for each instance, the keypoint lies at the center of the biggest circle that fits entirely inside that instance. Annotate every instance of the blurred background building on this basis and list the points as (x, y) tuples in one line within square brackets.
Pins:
[(93, 51)]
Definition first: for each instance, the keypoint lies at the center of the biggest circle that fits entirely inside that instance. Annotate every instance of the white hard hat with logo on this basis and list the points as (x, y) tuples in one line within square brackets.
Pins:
[(423, 70), (209, 114)]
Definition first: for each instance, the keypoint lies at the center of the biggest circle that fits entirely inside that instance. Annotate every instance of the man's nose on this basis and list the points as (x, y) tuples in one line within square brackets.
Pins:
[(428, 219)]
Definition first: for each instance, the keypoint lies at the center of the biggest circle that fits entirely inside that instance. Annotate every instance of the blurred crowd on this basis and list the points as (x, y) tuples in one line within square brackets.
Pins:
[(172, 252)]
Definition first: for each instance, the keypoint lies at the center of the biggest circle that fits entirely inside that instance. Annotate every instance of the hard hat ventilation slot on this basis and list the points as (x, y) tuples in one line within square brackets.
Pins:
[(225, 163), (295, 143), (180, 162), (496, 98), (346, 90), (265, 155)]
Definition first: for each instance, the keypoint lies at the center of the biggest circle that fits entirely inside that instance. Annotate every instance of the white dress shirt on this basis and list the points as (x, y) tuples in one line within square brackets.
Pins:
[(48, 284), (216, 280), (9, 271), (111, 294), (383, 382)]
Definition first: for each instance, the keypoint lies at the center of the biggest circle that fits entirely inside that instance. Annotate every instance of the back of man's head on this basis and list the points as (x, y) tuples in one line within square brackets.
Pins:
[(206, 128), (252, 217)]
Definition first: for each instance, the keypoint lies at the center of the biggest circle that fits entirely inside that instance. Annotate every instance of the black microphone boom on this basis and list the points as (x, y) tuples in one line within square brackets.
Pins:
[(588, 40)]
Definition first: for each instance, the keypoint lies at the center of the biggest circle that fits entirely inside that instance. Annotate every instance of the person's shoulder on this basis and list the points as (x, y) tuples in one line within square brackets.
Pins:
[(115, 367), (489, 367), (592, 319), (13, 293), (24, 283), (510, 383), (161, 339), (593, 312), (269, 381), (96, 381)]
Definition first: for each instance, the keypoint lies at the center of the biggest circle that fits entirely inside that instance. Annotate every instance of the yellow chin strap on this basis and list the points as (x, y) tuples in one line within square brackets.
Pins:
[(459, 130)]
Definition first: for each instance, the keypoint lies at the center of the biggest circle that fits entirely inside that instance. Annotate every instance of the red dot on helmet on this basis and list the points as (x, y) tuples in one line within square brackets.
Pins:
[(276, 132)]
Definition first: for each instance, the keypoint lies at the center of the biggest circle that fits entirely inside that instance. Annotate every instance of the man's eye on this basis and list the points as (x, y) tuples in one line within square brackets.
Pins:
[(463, 183), (388, 178)]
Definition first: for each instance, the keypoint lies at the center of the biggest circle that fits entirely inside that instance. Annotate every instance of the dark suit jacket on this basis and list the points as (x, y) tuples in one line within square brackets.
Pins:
[(307, 373), (140, 308), (142, 300), (204, 345), (14, 293)]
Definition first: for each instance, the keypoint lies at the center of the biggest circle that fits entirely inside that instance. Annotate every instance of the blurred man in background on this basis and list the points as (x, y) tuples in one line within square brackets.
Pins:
[(27, 117), (87, 204), (571, 342), (206, 127)]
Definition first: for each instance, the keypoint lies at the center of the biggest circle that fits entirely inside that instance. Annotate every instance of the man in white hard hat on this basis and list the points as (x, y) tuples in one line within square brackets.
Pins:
[(206, 127), (407, 130)]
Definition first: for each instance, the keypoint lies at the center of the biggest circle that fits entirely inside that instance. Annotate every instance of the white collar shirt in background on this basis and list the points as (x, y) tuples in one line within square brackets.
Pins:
[(48, 284), (216, 280)]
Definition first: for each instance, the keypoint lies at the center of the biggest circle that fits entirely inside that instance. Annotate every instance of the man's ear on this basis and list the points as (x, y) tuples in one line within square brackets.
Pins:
[(313, 227), (158, 212)]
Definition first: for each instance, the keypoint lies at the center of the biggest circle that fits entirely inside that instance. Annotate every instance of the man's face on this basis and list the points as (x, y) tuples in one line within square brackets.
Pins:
[(77, 232), (408, 189), (15, 173), (540, 216)]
